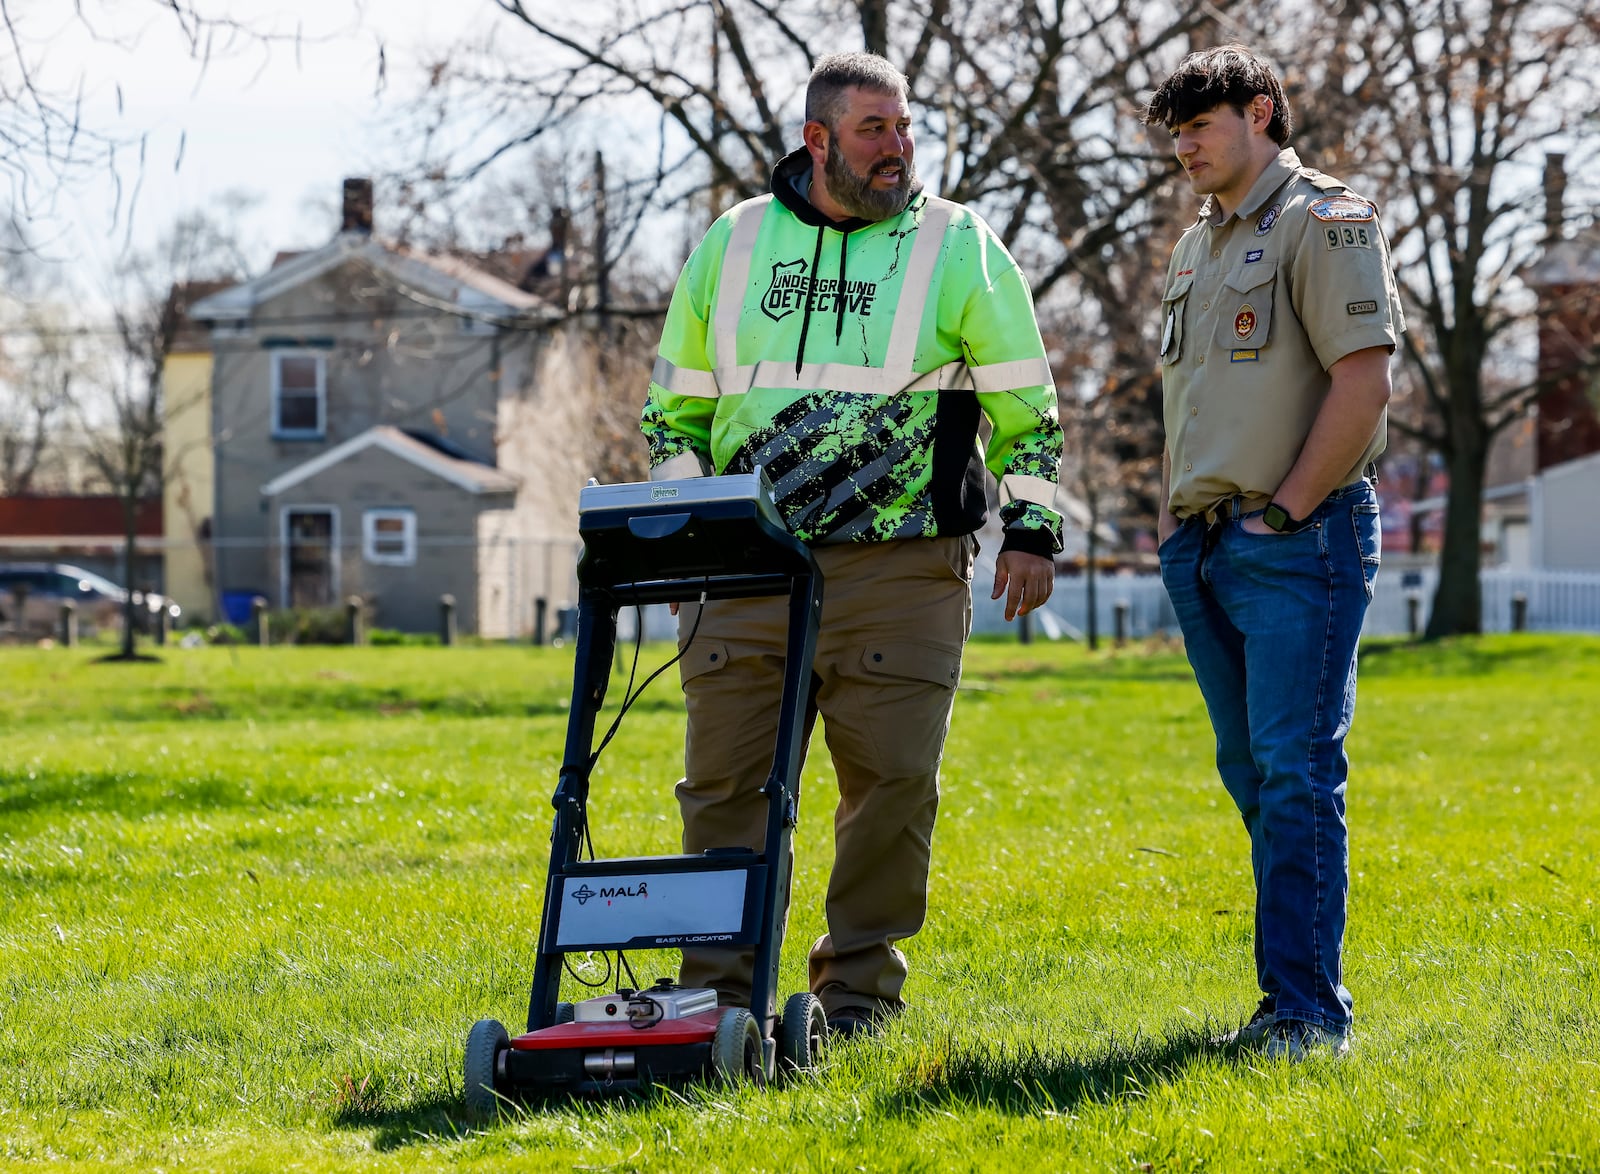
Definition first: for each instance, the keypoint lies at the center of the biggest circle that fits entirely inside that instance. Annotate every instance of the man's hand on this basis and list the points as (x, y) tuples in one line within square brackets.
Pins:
[(1166, 526), (1025, 579)]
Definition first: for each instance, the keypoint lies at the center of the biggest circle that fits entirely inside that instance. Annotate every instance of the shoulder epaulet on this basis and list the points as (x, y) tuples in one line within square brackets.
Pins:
[(1323, 182)]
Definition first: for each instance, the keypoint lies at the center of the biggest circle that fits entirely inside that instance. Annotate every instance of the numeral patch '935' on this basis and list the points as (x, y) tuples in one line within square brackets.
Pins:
[(1347, 236)]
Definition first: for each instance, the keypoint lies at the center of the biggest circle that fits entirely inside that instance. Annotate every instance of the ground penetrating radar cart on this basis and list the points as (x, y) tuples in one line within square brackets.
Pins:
[(662, 542)]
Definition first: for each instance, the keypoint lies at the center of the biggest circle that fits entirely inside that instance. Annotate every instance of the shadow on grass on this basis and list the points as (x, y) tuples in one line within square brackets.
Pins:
[(430, 1119), (1028, 1080), (443, 1118), (128, 794), (1470, 656), (320, 702)]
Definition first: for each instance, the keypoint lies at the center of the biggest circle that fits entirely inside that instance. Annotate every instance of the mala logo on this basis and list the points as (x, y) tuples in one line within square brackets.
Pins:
[(583, 893), (791, 285)]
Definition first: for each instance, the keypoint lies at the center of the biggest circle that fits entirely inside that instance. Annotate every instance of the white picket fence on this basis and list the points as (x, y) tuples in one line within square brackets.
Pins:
[(1556, 601)]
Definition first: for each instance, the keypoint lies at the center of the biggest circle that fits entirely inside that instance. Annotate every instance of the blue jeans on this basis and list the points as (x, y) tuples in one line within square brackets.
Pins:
[(1270, 623)]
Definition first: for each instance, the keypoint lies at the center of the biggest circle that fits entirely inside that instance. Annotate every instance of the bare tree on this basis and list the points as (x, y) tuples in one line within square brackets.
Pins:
[(1446, 107), (122, 414)]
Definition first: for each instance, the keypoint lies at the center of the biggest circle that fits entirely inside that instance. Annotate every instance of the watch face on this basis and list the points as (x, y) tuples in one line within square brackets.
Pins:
[(1276, 517)]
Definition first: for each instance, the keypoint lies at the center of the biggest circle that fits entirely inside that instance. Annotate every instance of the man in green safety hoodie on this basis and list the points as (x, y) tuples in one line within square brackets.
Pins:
[(849, 334)]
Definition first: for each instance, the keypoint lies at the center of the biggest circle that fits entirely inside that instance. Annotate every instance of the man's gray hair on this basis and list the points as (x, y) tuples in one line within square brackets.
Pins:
[(837, 72)]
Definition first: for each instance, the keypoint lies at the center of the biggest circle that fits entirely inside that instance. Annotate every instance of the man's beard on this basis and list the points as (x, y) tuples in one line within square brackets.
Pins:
[(856, 195)]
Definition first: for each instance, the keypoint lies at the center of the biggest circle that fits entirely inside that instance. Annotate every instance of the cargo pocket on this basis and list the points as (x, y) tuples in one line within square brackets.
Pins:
[(1174, 304), (903, 708), (732, 716), (702, 657), (1244, 309)]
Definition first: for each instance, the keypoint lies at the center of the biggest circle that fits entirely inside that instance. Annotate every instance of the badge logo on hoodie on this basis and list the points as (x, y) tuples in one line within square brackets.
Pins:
[(787, 293), (791, 285)]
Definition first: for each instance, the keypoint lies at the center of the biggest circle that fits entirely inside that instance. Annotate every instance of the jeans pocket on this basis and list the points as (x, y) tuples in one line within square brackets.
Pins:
[(1369, 543)]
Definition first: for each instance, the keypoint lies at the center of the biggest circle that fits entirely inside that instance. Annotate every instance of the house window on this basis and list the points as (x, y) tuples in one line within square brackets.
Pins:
[(299, 395), (389, 537)]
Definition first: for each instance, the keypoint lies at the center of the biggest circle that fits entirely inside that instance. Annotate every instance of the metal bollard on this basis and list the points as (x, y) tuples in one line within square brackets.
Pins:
[(1519, 612), (447, 620), (353, 633), (69, 624), (258, 613), (1119, 622), (163, 625), (1413, 613), (540, 607), (1025, 628)]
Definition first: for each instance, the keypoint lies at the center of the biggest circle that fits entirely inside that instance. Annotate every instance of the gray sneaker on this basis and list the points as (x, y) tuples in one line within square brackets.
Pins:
[(1254, 1033), (1296, 1040)]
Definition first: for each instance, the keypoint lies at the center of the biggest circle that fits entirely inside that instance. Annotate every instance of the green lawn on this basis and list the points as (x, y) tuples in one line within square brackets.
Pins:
[(253, 900)]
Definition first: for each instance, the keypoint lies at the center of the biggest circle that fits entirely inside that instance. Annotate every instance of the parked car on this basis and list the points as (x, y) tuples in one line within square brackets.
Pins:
[(31, 595)]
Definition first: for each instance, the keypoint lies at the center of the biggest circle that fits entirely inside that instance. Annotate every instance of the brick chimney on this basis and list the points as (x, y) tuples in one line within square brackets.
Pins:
[(1555, 193), (357, 215)]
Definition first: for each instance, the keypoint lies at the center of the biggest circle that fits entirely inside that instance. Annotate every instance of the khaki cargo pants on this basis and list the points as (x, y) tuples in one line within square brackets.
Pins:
[(895, 617)]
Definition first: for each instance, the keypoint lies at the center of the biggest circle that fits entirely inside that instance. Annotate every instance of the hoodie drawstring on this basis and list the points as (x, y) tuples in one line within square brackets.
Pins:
[(839, 295), (811, 300)]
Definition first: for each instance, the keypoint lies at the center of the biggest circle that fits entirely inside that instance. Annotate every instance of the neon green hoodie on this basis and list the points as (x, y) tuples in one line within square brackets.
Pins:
[(852, 361)]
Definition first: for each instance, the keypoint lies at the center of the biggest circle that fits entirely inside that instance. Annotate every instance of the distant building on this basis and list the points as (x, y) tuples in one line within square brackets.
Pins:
[(86, 531), (379, 422), (1566, 280)]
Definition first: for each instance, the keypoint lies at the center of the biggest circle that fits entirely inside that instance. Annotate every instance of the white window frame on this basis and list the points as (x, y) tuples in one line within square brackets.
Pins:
[(408, 537), (321, 429)]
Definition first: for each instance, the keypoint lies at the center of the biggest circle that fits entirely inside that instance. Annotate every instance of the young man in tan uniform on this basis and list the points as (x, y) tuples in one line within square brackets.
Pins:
[(1277, 323)]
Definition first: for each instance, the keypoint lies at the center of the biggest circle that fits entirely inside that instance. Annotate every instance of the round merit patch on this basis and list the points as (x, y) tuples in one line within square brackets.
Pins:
[(1342, 208), (1244, 323), (1268, 219)]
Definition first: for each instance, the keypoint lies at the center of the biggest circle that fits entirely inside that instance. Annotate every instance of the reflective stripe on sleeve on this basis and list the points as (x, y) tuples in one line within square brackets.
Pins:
[(684, 465), (684, 380), (1010, 376), (1023, 487)]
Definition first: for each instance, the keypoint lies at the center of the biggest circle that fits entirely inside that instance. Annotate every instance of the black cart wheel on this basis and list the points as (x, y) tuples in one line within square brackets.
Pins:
[(801, 1033), (565, 1013), (736, 1048), (485, 1042)]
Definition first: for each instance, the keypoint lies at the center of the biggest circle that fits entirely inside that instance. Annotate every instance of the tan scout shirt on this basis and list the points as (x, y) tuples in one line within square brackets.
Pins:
[(1258, 306)]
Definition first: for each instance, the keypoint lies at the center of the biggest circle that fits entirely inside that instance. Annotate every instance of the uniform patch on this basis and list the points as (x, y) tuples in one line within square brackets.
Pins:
[(1268, 219), (1361, 307), (1244, 323), (1249, 356), (1347, 236), (1342, 208), (1253, 255)]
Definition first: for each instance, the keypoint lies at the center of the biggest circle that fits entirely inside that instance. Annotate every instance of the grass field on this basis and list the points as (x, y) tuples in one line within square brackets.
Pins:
[(253, 900)]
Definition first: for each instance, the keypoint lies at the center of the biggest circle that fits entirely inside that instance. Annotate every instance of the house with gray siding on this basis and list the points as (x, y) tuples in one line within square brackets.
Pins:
[(385, 423)]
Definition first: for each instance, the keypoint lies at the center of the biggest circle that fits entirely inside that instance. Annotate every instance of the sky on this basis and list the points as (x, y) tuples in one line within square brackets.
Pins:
[(285, 124)]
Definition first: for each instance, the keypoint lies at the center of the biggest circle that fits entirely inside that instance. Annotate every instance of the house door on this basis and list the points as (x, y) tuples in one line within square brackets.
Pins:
[(310, 558)]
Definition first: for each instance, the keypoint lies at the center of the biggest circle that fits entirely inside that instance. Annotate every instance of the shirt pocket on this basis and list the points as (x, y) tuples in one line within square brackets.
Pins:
[(1174, 307), (1244, 315)]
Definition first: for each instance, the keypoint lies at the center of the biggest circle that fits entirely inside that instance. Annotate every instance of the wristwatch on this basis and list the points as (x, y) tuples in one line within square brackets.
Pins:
[(1279, 519)]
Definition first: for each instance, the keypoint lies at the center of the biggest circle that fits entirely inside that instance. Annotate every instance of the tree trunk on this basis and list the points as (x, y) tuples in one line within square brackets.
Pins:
[(1092, 626), (875, 27), (130, 534), (1458, 600)]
